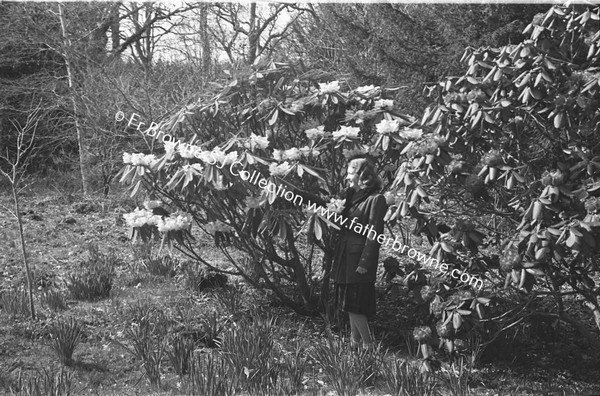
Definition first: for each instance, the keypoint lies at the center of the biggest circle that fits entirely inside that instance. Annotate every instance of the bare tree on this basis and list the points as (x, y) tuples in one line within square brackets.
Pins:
[(252, 30), (13, 167), (83, 152)]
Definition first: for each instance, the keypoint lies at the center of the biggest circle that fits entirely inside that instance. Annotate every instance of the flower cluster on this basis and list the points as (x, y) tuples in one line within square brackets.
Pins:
[(346, 132), (254, 141), (139, 159), (384, 104), (141, 217), (367, 89), (411, 134), (329, 88), (279, 169), (175, 222), (294, 154), (388, 126), (336, 205), (422, 148), (307, 151), (218, 226), (592, 205), (187, 150), (315, 133), (218, 155)]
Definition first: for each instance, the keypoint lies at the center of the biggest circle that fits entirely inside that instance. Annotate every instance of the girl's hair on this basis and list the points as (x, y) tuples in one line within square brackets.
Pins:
[(367, 175)]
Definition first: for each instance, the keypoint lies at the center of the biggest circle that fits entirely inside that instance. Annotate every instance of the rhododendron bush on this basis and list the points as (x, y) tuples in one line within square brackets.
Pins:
[(293, 131), (500, 175)]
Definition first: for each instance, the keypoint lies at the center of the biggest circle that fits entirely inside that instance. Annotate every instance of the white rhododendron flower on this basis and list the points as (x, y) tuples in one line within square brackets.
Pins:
[(205, 156), (307, 152), (139, 159), (292, 154), (175, 222), (365, 89), (262, 142), (187, 150), (411, 134), (279, 169), (194, 168), (218, 226), (346, 132), (224, 159), (387, 104), (141, 217), (315, 133), (331, 87), (388, 126), (336, 205), (217, 156), (170, 147), (278, 154)]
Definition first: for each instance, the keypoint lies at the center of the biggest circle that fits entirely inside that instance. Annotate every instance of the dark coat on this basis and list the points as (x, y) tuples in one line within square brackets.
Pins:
[(357, 243)]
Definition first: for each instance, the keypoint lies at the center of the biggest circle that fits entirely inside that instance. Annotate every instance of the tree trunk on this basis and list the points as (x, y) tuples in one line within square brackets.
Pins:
[(23, 250), (205, 41), (253, 36), (83, 154), (115, 30)]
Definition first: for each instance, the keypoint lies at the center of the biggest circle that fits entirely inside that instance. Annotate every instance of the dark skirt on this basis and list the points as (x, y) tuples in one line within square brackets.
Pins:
[(356, 298)]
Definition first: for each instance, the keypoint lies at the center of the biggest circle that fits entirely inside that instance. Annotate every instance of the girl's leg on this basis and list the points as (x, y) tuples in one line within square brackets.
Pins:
[(362, 327), (354, 332)]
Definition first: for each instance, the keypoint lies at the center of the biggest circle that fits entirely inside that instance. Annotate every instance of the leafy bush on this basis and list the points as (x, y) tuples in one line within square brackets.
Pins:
[(499, 176), (95, 277), (64, 337), (15, 302), (54, 300)]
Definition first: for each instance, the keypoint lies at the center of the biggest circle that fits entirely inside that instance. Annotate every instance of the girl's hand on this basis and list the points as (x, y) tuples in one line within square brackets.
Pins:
[(361, 270)]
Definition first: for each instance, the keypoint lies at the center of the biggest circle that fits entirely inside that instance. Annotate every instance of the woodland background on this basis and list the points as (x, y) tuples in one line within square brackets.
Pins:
[(510, 195)]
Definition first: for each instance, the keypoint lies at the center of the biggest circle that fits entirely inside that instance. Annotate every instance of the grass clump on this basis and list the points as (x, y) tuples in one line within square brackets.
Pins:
[(403, 378), (95, 278), (347, 368), (211, 375), (44, 383), (65, 335), (54, 300), (249, 348), (200, 279), (161, 266), (15, 302), (147, 336)]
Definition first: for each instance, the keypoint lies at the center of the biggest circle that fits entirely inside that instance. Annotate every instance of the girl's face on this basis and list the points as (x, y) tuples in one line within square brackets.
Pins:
[(352, 176)]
